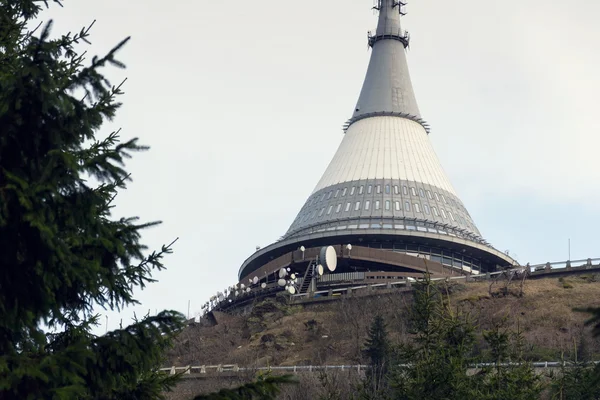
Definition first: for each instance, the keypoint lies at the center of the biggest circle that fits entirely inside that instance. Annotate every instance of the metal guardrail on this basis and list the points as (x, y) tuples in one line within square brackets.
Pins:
[(204, 369), (536, 270)]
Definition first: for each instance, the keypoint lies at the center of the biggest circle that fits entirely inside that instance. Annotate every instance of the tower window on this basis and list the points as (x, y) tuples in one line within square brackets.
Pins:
[(329, 209), (329, 195), (338, 208), (417, 208), (322, 211), (426, 208), (361, 189), (443, 213), (421, 192), (357, 206), (377, 204), (405, 190), (429, 195), (436, 196), (347, 207), (378, 189), (387, 204), (435, 212), (413, 191), (367, 205), (352, 190), (344, 192), (395, 189), (397, 205), (451, 215), (370, 189), (336, 194), (387, 189), (406, 206), (444, 199)]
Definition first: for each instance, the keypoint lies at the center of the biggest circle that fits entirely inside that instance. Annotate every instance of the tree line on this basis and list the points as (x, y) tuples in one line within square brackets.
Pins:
[(438, 363)]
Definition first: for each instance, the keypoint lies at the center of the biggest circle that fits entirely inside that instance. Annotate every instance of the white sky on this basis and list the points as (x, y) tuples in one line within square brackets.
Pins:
[(243, 104)]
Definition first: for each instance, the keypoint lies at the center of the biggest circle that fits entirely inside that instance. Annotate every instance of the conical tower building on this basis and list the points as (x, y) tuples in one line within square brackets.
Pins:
[(384, 193)]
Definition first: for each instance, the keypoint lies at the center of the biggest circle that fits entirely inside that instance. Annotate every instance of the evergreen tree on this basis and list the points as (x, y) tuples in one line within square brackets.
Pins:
[(511, 377), (266, 387), (435, 365), (579, 380), (377, 350), (63, 254)]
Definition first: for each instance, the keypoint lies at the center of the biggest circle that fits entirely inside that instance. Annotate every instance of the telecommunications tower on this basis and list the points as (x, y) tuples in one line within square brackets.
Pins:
[(384, 202)]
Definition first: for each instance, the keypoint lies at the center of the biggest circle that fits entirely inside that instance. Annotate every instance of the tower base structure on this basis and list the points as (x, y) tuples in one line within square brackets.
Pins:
[(406, 254)]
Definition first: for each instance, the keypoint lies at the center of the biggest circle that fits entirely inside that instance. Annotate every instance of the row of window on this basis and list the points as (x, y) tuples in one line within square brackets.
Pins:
[(387, 204), (383, 225), (378, 189)]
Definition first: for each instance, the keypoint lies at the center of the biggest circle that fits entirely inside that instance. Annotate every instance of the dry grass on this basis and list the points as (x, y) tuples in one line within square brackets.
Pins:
[(333, 333)]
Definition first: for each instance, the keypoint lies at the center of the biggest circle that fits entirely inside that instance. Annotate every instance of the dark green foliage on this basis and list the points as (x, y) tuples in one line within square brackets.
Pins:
[(377, 347), (266, 387), (438, 363), (435, 365), (579, 380), (378, 352), (511, 377), (63, 254), (594, 319)]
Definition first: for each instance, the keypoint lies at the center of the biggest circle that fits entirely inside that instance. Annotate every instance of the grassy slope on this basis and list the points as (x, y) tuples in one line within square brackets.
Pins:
[(333, 333)]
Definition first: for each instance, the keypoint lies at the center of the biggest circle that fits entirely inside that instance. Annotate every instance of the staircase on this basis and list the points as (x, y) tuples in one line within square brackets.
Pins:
[(307, 277)]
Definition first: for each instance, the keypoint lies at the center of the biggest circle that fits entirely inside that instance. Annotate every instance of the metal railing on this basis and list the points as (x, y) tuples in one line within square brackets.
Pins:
[(228, 368), (534, 270)]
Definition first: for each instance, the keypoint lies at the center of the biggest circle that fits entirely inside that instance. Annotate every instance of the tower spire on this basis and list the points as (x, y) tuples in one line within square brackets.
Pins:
[(387, 88)]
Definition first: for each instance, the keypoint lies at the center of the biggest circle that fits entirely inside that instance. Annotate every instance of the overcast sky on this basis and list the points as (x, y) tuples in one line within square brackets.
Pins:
[(242, 104)]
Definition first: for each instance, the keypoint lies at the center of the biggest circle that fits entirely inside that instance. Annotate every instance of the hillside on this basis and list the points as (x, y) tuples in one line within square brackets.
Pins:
[(278, 333)]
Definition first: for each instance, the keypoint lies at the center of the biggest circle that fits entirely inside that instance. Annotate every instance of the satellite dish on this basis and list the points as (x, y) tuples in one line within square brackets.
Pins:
[(282, 273), (328, 256), (288, 269), (263, 285), (255, 280), (248, 290), (349, 246), (320, 269), (250, 280), (292, 290), (242, 286), (281, 282), (293, 276), (237, 293), (302, 248)]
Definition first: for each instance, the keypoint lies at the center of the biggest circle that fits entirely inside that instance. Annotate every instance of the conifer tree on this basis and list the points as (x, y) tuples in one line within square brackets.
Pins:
[(511, 377), (63, 255), (378, 351), (434, 365)]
